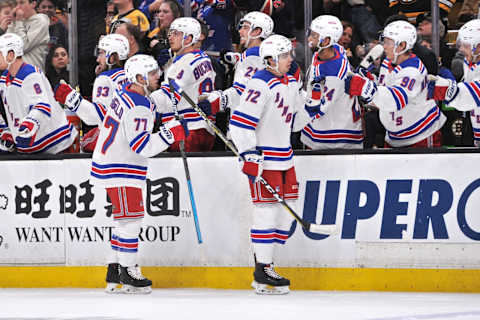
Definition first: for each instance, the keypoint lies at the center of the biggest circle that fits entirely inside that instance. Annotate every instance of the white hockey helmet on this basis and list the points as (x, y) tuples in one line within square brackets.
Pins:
[(400, 31), (327, 26), (273, 47), (188, 26), (140, 64), (114, 43), (469, 36), (260, 20), (11, 42)]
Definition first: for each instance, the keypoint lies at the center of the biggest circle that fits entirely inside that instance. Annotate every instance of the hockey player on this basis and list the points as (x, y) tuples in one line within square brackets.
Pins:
[(192, 70), (340, 124), (253, 28), (260, 127), (464, 96), (35, 120), (120, 164), (401, 96), (113, 50)]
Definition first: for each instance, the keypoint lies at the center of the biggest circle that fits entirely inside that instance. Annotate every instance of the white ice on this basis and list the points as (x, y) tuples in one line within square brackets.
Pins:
[(173, 304)]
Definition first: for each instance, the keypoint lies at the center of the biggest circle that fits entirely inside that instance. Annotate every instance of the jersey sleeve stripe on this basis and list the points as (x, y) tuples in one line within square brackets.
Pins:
[(402, 96), (474, 91), (44, 107), (49, 140), (242, 120), (137, 144), (239, 87), (100, 109)]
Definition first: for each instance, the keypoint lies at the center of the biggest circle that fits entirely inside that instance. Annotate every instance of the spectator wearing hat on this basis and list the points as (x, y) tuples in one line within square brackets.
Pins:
[(424, 30)]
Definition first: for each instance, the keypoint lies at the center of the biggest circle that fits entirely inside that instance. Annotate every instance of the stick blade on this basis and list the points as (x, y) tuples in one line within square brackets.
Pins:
[(328, 229)]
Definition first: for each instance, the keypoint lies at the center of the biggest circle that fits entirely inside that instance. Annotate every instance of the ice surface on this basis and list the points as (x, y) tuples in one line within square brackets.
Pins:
[(173, 304)]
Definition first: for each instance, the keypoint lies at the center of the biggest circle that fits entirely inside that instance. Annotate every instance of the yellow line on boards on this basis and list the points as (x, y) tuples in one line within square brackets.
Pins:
[(362, 279)]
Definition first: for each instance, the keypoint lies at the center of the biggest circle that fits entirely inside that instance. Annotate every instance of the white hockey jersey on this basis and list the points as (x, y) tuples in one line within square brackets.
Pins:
[(401, 98), (126, 141), (468, 97), (340, 124), (249, 63), (263, 119), (194, 73), (29, 93), (106, 83)]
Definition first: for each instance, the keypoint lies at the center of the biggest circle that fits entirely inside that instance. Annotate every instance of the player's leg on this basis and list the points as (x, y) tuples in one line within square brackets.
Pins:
[(128, 216), (113, 267), (264, 235)]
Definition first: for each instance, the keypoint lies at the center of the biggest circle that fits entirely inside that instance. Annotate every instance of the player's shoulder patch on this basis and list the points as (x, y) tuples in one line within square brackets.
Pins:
[(268, 78), (251, 52), (113, 74), (413, 62), (26, 70), (335, 67), (133, 99)]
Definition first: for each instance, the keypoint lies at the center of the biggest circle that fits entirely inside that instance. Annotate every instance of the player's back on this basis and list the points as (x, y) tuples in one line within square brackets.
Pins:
[(30, 93), (106, 83), (194, 73), (414, 118), (340, 124), (114, 163)]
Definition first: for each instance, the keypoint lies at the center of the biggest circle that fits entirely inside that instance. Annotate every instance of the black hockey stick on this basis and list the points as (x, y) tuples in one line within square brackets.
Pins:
[(187, 171), (312, 227)]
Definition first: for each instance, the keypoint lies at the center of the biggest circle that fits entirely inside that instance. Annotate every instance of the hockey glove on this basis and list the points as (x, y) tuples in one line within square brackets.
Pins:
[(313, 107), (174, 130), (356, 85), (317, 83), (441, 89), (213, 102), (67, 96), (294, 70), (163, 57), (6, 141), (252, 164), (219, 4), (365, 72), (230, 58), (27, 132)]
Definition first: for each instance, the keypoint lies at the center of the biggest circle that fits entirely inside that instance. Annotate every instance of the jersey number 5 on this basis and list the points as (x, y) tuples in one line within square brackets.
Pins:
[(111, 124)]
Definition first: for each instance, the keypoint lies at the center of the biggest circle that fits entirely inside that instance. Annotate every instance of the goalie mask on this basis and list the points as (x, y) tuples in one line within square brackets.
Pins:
[(326, 26), (140, 64), (468, 39), (275, 47), (114, 43), (260, 20), (400, 31)]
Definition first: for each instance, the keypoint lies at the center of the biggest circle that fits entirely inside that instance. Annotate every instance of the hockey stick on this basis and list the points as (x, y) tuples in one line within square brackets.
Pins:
[(312, 227), (187, 171)]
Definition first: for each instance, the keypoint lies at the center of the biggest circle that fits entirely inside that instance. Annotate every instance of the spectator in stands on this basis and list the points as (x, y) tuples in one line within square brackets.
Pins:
[(424, 30), (6, 16), (157, 39), (128, 13), (149, 8), (32, 27), (111, 13), (218, 15), (58, 32), (346, 39), (469, 11), (412, 9), (133, 35), (56, 65), (365, 22)]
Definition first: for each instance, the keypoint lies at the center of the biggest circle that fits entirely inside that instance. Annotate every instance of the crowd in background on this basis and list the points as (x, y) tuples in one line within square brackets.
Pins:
[(43, 25)]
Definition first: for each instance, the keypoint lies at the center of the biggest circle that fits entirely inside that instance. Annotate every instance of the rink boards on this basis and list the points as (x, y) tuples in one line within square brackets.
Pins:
[(407, 221)]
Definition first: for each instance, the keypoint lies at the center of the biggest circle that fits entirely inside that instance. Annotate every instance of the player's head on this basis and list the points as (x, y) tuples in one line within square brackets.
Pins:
[(112, 49), (398, 38), (276, 52), (11, 47), (324, 31), (183, 33), (142, 69), (468, 40), (254, 25)]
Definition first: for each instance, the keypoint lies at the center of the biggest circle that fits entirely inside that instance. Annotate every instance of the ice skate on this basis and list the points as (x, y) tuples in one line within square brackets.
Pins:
[(267, 281), (113, 278), (133, 281)]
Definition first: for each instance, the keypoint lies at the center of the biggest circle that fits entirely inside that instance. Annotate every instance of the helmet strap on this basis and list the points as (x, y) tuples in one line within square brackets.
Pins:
[(396, 55), (320, 40)]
